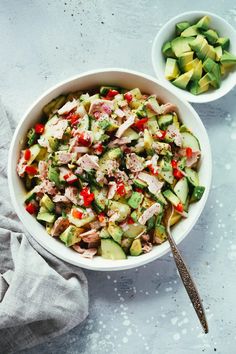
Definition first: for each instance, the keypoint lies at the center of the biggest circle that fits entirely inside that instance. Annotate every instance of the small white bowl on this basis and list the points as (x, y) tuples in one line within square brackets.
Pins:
[(86, 81), (167, 32)]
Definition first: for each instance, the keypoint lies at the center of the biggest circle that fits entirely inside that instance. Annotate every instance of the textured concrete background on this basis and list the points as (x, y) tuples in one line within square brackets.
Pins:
[(144, 310)]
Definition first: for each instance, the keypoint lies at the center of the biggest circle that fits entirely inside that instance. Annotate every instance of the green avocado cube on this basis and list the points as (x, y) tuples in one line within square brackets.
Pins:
[(223, 42), (183, 80), (181, 26), (136, 248), (228, 58), (203, 23), (184, 59), (211, 36), (191, 31), (167, 50), (115, 231), (135, 200), (47, 203), (181, 45), (171, 69)]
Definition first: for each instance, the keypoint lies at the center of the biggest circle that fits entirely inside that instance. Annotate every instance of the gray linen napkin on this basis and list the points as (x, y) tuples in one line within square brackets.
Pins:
[(41, 296)]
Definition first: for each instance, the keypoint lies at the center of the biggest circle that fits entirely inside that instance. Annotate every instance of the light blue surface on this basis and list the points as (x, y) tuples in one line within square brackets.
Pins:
[(144, 310)]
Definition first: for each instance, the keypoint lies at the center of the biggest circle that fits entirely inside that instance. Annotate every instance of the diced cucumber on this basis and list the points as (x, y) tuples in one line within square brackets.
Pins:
[(103, 233), (155, 106), (53, 175), (30, 196), (148, 142), (131, 134), (54, 105), (192, 176), (173, 199), (80, 222), (140, 184), (46, 216), (111, 250), (189, 140), (197, 193), (152, 124), (166, 171), (181, 189), (31, 136), (165, 120), (84, 124), (100, 198), (105, 89), (115, 231), (123, 210), (34, 151), (151, 223)]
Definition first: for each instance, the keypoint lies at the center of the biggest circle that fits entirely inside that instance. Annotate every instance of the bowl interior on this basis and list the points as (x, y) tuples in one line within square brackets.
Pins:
[(167, 32), (84, 82)]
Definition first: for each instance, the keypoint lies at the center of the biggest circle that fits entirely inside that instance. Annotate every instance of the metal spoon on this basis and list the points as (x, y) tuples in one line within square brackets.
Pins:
[(185, 275)]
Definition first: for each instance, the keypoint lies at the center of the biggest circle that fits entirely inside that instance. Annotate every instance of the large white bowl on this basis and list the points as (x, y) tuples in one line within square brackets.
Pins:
[(128, 79), (167, 32)]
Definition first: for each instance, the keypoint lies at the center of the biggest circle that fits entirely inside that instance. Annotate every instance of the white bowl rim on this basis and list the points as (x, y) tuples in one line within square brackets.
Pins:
[(202, 98), (83, 262)]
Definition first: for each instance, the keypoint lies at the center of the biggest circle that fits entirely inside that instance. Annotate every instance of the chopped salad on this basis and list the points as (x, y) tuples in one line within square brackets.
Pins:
[(102, 168)]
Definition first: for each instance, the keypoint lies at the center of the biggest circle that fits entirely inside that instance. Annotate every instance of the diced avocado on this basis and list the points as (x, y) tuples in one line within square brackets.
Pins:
[(131, 134), (111, 250), (140, 184), (123, 210), (47, 203), (160, 234), (42, 155), (191, 31), (197, 193), (100, 198), (218, 52), (105, 89), (171, 69), (80, 222), (45, 216), (136, 248), (135, 200), (228, 58), (197, 71), (203, 23), (167, 50), (54, 105), (173, 199), (53, 175), (30, 196), (183, 80), (53, 143), (205, 80), (222, 69), (181, 45), (148, 142), (164, 120), (166, 171), (134, 230), (135, 214), (34, 151), (125, 244), (189, 140), (181, 26), (201, 54), (136, 93), (211, 36), (208, 64), (115, 231), (112, 126), (195, 89), (71, 235), (197, 43), (223, 42), (103, 233), (181, 189), (191, 64), (152, 125), (184, 59), (192, 176), (211, 52), (175, 218)]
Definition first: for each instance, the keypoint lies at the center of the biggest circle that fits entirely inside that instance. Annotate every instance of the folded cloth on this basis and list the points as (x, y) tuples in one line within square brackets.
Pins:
[(41, 296)]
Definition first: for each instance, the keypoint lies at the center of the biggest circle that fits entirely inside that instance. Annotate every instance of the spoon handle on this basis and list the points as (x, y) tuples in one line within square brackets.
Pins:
[(188, 283)]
